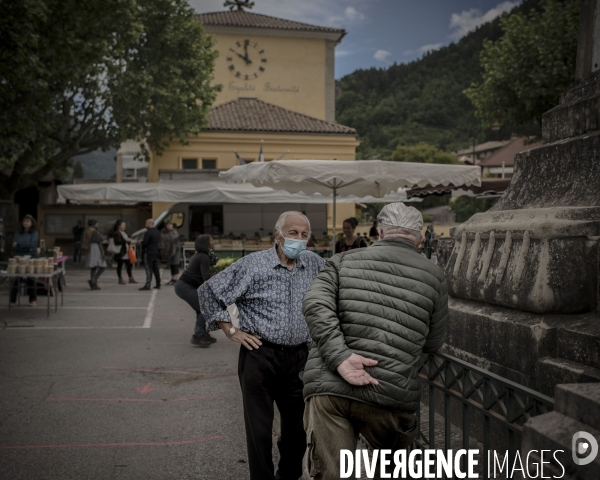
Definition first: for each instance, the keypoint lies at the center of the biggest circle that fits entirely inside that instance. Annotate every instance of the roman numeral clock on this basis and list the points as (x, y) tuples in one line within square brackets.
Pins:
[(246, 60)]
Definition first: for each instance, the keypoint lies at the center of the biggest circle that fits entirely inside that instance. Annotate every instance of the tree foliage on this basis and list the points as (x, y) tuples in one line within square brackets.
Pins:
[(526, 70), (76, 77), (422, 101), (465, 207), (78, 170), (423, 153)]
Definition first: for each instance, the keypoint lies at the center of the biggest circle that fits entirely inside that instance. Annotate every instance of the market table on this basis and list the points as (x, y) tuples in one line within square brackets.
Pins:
[(52, 279)]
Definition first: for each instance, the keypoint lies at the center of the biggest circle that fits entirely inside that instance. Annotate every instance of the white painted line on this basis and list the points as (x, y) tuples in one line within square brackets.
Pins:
[(150, 310), (32, 327), (80, 308)]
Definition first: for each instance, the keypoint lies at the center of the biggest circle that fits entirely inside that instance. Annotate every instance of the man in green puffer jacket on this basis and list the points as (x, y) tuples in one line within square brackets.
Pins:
[(371, 312)]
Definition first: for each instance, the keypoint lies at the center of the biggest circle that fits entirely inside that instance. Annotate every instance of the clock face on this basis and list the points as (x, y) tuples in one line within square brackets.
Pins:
[(246, 60)]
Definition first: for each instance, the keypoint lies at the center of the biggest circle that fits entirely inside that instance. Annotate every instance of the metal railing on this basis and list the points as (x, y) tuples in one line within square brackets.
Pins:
[(484, 409)]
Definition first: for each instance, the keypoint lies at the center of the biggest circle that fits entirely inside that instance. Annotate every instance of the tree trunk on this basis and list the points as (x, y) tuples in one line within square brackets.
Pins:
[(8, 212)]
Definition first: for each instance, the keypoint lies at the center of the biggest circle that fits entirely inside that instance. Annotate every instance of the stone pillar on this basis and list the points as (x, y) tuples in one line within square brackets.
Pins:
[(577, 410), (524, 277)]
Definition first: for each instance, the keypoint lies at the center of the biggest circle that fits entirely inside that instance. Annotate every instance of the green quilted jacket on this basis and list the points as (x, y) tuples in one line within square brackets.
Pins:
[(386, 302)]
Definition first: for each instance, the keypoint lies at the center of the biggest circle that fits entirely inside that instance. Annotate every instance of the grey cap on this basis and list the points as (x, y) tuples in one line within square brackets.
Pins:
[(399, 215)]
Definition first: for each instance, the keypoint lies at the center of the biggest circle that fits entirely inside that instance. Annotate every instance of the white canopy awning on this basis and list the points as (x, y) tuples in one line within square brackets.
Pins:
[(202, 191)]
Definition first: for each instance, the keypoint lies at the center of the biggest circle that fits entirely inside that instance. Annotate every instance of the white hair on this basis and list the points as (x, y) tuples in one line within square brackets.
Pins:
[(391, 231), (281, 221)]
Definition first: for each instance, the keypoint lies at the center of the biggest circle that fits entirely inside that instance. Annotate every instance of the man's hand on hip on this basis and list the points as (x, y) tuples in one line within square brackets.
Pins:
[(251, 342), (353, 370)]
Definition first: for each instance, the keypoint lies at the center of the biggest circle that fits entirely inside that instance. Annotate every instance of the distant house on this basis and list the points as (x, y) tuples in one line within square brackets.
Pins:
[(501, 163), (474, 156)]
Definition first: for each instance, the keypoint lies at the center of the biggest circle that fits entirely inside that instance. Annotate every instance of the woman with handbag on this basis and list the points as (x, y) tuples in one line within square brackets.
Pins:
[(95, 259), (119, 246)]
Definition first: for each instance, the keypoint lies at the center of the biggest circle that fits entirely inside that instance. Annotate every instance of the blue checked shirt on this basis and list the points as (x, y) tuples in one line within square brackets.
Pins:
[(267, 295)]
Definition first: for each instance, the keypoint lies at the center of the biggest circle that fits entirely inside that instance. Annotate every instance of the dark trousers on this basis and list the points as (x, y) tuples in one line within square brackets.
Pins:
[(77, 252), (95, 274), (272, 375), (31, 289), (190, 295), (333, 423), (151, 265), (120, 263)]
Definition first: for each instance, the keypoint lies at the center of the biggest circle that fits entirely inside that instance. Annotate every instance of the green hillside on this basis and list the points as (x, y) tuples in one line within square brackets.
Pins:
[(422, 101)]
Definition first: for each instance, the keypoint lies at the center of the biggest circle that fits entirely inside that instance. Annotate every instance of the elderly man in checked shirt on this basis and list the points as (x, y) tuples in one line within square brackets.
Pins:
[(268, 288)]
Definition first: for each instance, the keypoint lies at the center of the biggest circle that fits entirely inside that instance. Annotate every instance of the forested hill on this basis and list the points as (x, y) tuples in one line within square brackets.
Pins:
[(422, 101)]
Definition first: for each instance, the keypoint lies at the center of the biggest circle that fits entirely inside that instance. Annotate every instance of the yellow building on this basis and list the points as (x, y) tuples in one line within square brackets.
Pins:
[(278, 92)]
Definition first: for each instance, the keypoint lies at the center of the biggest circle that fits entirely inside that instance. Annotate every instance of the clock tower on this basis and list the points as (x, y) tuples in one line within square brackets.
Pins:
[(285, 63)]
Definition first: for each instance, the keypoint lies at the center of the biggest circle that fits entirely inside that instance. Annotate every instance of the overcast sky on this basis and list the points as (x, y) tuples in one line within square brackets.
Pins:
[(381, 32)]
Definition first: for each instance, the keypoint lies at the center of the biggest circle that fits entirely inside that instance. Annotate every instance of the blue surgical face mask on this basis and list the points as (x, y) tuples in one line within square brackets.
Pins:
[(293, 248)]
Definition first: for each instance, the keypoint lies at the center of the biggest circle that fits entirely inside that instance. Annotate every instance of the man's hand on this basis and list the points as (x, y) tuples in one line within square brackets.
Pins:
[(251, 342), (353, 370), (248, 340)]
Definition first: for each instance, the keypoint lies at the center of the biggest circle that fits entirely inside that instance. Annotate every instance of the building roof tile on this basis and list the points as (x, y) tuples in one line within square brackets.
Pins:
[(507, 153), (239, 18), (254, 115), (482, 147)]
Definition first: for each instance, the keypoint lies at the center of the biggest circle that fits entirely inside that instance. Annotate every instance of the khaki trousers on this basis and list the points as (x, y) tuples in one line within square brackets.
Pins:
[(334, 423)]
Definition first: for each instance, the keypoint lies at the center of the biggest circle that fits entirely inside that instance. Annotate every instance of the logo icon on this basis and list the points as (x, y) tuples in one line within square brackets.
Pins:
[(585, 448)]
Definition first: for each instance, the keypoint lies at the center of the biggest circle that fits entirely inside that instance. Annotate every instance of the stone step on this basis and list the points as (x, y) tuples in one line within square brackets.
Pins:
[(580, 341), (580, 402), (554, 431), (562, 173), (586, 87), (578, 114), (549, 372), (504, 336)]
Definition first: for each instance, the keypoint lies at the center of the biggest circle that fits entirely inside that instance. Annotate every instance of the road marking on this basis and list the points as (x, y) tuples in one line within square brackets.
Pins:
[(146, 389), (150, 309), (168, 343), (84, 308), (8, 327), (129, 444), (15, 327), (75, 399), (152, 371)]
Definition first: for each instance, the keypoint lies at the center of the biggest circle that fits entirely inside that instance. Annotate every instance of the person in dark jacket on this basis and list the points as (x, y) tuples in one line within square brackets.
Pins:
[(371, 312), (121, 239), (25, 242), (150, 254), (350, 240), (197, 272), (170, 247), (77, 233)]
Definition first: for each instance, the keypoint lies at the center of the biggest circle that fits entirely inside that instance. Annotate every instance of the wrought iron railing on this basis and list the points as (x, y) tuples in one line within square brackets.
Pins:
[(485, 409)]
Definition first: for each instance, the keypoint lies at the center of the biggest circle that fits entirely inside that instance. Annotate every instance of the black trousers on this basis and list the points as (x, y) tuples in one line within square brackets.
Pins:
[(31, 289), (128, 266), (272, 375), (151, 265)]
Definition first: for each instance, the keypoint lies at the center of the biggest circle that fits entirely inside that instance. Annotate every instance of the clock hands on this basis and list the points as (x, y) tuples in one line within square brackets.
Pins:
[(248, 61), (243, 57)]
